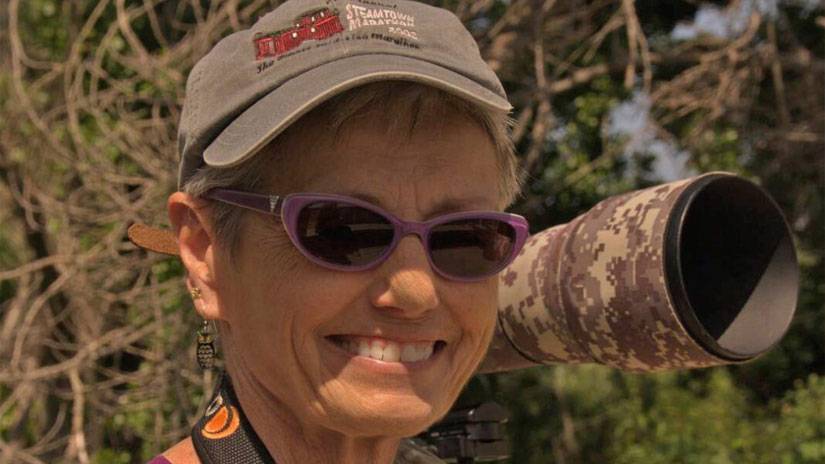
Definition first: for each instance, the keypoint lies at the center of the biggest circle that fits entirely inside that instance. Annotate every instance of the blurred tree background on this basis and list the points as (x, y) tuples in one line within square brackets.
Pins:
[(97, 338)]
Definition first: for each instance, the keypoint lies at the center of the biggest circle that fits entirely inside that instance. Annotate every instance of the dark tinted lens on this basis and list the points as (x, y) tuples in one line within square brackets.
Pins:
[(471, 247), (343, 234)]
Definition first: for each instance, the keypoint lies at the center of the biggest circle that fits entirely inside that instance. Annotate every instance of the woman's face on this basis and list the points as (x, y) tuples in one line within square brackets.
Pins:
[(287, 316)]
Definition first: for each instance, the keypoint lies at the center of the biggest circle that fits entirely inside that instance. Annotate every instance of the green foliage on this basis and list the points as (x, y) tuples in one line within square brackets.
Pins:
[(578, 167), (656, 418), (110, 456), (44, 29), (667, 422), (720, 150), (800, 435)]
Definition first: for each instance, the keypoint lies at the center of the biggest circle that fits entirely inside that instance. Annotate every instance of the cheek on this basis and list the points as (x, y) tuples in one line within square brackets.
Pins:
[(265, 261), (482, 319), (476, 312), (474, 309), (278, 289), (258, 279), (480, 307), (269, 248)]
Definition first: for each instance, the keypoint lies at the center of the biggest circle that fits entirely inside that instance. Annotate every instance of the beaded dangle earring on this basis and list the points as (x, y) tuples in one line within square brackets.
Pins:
[(206, 347), (206, 342)]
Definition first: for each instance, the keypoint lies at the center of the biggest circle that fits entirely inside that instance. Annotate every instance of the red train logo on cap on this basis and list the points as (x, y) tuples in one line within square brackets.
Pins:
[(313, 25)]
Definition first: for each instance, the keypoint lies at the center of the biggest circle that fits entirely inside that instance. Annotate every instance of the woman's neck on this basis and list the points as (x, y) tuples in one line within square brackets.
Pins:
[(290, 440)]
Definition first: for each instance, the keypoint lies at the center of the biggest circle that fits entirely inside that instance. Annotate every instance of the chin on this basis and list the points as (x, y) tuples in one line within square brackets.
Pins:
[(387, 416)]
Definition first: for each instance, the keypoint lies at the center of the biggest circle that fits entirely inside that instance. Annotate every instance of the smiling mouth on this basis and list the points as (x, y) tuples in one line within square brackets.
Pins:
[(385, 350)]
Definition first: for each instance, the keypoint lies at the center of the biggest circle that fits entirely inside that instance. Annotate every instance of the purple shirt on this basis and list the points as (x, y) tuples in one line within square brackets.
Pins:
[(159, 459)]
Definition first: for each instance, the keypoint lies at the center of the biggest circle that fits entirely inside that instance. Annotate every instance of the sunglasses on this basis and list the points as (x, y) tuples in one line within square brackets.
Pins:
[(348, 234)]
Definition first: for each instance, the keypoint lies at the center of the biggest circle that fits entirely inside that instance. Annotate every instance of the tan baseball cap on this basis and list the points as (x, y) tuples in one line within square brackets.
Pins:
[(256, 82)]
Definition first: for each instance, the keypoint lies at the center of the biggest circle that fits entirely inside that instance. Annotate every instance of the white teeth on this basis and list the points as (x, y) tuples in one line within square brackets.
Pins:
[(409, 353), (386, 350), (363, 348), (392, 352), (425, 351), (377, 352)]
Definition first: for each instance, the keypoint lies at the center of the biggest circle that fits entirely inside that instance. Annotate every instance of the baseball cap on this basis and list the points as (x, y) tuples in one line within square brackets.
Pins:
[(254, 83)]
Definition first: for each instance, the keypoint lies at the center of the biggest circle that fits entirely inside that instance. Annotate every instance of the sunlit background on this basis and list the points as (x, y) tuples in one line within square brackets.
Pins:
[(97, 339)]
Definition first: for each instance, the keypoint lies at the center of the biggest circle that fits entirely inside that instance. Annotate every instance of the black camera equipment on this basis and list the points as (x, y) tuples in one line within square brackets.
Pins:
[(468, 435)]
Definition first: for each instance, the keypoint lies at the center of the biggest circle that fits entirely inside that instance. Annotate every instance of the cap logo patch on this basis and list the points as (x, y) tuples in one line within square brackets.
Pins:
[(398, 23), (317, 24)]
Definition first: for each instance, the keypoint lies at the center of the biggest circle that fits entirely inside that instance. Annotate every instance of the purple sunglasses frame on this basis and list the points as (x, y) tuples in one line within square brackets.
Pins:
[(288, 207)]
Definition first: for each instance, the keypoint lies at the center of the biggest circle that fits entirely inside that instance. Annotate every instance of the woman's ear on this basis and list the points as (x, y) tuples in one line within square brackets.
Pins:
[(196, 240)]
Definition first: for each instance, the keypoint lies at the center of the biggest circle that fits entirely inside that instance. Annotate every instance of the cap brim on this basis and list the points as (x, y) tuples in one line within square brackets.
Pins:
[(157, 240), (273, 113)]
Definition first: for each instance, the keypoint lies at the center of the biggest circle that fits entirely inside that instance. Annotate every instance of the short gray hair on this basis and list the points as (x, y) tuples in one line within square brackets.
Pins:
[(406, 103)]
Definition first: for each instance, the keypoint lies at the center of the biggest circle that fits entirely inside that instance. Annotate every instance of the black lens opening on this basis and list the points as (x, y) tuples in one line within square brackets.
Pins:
[(731, 267)]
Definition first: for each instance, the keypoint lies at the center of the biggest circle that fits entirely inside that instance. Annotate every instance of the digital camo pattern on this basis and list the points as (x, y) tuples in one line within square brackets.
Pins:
[(594, 290)]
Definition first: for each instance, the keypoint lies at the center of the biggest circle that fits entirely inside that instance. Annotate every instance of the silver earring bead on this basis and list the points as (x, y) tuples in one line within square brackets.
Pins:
[(206, 347)]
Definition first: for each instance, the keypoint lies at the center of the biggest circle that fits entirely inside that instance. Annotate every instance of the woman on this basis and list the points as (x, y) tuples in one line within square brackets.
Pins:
[(315, 147)]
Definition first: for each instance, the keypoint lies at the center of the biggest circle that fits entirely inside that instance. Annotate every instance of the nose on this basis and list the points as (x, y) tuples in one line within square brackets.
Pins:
[(407, 285)]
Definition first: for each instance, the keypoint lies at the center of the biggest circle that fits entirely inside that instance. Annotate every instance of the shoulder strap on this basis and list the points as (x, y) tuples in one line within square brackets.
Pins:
[(223, 435)]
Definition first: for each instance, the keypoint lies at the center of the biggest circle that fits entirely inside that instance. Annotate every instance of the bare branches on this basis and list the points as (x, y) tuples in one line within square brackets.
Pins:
[(88, 146), (544, 120), (78, 449), (637, 45)]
